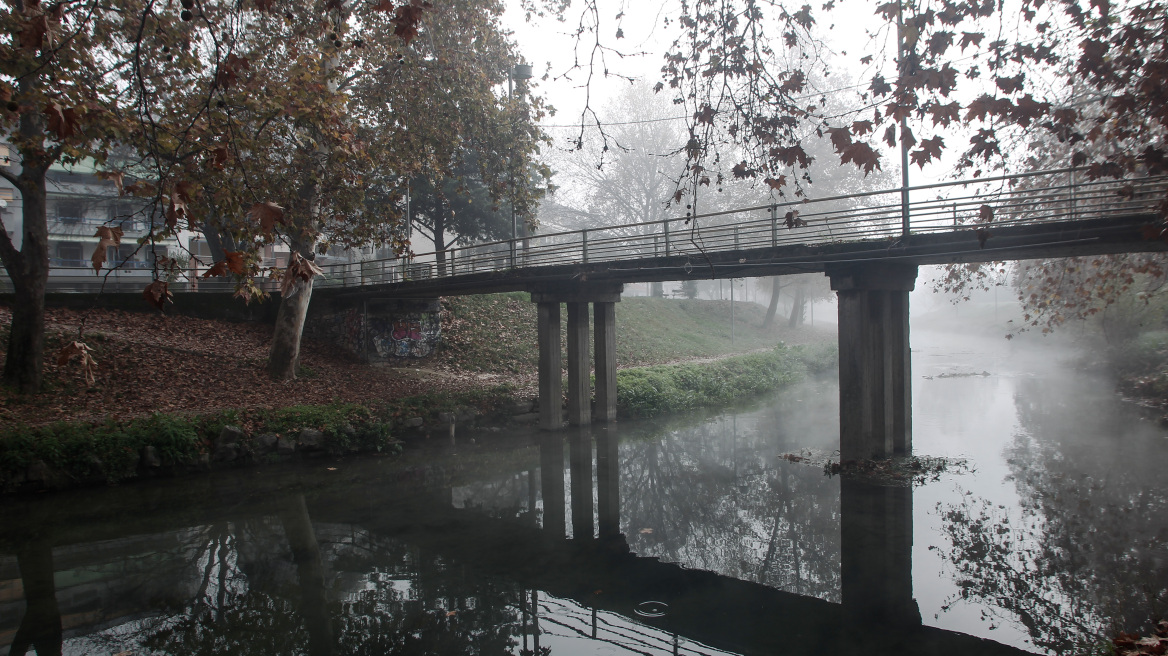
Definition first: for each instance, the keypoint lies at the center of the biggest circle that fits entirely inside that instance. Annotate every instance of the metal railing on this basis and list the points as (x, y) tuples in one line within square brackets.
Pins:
[(1059, 195)]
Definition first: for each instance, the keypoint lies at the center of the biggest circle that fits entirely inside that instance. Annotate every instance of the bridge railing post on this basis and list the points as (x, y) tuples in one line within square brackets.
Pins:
[(584, 244), (665, 225), (774, 226)]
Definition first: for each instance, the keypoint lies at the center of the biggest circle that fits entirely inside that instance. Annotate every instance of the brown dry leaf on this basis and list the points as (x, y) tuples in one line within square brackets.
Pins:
[(108, 236), (176, 210), (62, 120), (301, 268), (218, 269), (82, 350), (219, 157), (185, 190), (268, 214), (157, 294), (112, 234), (234, 262), (32, 33), (229, 71), (117, 177)]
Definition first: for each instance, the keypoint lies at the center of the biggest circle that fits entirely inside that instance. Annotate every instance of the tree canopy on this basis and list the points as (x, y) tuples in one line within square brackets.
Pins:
[(258, 121)]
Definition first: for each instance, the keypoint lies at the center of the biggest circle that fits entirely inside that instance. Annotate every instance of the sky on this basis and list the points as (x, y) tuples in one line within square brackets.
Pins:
[(550, 47)]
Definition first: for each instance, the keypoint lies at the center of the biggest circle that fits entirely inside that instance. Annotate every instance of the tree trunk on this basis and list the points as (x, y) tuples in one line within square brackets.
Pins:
[(776, 287), (218, 242), (440, 242), (658, 289), (798, 307), (284, 357), (29, 271)]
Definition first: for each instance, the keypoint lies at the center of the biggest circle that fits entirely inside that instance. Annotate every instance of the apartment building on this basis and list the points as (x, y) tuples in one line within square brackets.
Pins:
[(78, 202)]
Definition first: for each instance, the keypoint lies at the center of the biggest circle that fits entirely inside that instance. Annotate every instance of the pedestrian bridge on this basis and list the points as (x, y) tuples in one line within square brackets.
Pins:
[(1033, 215), (869, 244)]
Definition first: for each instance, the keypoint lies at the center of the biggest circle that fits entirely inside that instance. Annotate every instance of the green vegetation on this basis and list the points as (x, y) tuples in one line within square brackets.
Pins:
[(650, 391), (497, 332), (70, 453)]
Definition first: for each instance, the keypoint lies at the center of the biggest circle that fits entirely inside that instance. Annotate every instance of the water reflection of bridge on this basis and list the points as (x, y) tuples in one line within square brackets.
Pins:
[(574, 550)]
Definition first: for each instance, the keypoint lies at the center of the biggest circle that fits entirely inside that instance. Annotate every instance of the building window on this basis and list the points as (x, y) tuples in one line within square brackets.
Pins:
[(70, 211), (156, 252), (69, 254), (122, 256)]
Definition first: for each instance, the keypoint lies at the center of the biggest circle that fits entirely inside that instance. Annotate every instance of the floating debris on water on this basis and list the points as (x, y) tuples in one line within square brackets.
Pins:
[(960, 375), (905, 470)]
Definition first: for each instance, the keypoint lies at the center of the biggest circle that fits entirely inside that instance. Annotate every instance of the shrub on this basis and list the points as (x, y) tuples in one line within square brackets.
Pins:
[(648, 391)]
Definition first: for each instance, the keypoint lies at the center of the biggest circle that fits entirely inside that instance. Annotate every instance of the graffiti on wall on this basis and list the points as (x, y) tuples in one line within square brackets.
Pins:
[(413, 335), (383, 334)]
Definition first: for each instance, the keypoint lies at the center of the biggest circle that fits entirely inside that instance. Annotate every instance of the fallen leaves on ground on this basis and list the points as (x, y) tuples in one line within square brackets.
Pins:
[(147, 362), (1127, 644)]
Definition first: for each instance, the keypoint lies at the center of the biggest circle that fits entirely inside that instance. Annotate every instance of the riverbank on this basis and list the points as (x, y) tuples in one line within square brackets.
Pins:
[(149, 363), (174, 395)]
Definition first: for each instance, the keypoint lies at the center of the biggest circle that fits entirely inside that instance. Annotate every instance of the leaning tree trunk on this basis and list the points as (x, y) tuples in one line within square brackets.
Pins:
[(776, 287), (28, 269), (284, 357)]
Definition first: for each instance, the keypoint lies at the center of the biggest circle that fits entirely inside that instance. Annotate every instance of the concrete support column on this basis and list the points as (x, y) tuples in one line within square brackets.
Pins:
[(604, 333), (551, 390), (579, 373), (577, 297), (874, 359)]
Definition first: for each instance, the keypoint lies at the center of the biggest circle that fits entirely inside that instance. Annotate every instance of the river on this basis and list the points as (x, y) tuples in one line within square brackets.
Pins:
[(691, 535)]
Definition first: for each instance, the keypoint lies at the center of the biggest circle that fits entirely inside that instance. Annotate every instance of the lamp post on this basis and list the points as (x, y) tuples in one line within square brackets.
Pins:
[(516, 72)]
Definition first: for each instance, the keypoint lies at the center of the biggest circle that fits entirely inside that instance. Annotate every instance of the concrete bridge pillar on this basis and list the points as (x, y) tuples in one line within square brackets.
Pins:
[(551, 386), (874, 360), (579, 373), (577, 298), (604, 332)]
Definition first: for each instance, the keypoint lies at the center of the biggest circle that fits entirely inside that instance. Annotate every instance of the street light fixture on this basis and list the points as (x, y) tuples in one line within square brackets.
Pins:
[(516, 72)]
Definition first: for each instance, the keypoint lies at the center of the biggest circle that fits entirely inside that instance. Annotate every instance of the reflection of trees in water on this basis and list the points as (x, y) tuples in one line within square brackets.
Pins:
[(717, 498), (1086, 556), (262, 593), (427, 606)]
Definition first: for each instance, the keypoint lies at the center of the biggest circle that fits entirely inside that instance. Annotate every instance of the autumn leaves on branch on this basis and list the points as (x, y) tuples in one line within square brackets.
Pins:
[(252, 122)]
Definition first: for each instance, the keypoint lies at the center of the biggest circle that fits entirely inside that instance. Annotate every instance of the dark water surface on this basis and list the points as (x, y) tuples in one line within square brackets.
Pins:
[(689, 536)]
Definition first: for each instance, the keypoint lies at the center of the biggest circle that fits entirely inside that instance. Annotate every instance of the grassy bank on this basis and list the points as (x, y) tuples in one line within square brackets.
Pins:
[(496, 332), (650, 391), (67, 454)]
